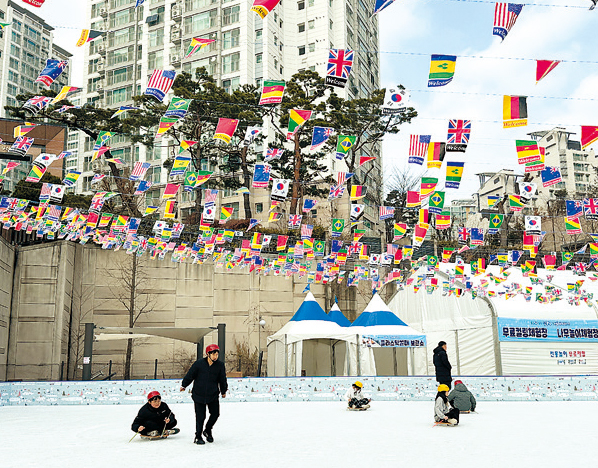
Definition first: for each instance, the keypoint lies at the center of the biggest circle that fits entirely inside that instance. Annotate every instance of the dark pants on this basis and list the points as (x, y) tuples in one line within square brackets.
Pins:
[(200, 415), (454, 414), (445, 381), (153, 426), (355, 403)]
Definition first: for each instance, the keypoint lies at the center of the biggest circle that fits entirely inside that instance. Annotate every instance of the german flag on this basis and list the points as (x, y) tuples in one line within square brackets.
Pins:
[(527, 151), (169, 209), (358, 192), (436, 153), (514, 111)]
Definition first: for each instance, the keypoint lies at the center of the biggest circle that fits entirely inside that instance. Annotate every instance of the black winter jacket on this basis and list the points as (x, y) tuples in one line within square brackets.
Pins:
[(208, 381), (153, 418), (442, 364)]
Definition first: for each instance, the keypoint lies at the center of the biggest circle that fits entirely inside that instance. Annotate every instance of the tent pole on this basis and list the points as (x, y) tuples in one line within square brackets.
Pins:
[(457, 352), (332, 361), (394, 360), (497, 351), (412, 352), (358, 356), (286, 358)]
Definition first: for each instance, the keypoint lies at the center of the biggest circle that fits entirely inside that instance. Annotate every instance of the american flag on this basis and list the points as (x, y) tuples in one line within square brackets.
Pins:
[(210, 197), (458, 131), (505, 15), (295, 221), (306, 230), (139, 170), (340, 62), (386, 212), (342, 177), (53, 213), (160, 83), (46, 191), (273, 153), (336, 191), (418, 145)]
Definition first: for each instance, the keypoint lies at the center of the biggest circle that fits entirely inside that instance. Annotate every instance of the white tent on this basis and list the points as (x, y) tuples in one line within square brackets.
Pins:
[(474, 328), (384, 340), (311, 342), (336, 315)]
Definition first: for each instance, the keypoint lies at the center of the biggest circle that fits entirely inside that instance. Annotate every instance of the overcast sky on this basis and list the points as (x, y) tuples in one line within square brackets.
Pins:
[(462, 28)]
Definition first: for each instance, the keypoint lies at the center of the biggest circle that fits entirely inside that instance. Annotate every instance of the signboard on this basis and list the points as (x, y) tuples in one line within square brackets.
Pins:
[(393, 341), (585, 331)]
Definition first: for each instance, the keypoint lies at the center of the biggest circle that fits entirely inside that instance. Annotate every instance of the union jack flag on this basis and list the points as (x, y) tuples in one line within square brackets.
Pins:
[(386, 212), (96, 203), (590, 208), (295, 221), (139, 170), (36, 103), (340, 62), (21, 145), (160, 83), (336, 191), (306, 230), (505, 15), (273, 153), (458, 135), (463, 234)]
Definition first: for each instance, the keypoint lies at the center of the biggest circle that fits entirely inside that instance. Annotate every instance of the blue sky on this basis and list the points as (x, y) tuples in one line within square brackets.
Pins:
[(464, 28)]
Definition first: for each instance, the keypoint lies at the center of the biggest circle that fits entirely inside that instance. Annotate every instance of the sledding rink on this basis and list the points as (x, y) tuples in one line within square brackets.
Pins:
[(310, 434)]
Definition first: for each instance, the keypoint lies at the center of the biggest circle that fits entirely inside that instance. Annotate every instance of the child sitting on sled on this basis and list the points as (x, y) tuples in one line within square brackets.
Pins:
[(355, 398), (443, 413)]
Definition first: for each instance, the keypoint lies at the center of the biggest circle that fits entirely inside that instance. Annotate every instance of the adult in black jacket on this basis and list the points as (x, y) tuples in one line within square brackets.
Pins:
[(154, 417), (209, 380), (442, 365)]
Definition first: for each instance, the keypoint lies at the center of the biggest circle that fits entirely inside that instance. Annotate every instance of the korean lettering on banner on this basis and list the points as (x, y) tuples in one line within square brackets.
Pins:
[(569, 357), (393, 341), (548, 330)]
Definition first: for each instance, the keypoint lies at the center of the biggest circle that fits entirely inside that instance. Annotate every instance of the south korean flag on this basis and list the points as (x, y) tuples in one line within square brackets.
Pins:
[(395, 101), (209, 214), (527, 190), (280, 189), (56, 193), (374, 259), (159, 226), (533, 225)]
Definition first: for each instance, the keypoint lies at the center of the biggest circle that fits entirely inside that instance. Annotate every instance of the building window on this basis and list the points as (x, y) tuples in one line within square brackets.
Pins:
[(159, 12), (230, 15), (258, 58), (155, 60), (230, 39), (312, 47), (195, 4), (331, 25), (311, 24), (311, 3), (156, 37), (208, 63), (200, 21), (258, 82), (301, 27), (258, 34), (231, 85), (259, 207), (302, 50), (301, 5), (230, 63)]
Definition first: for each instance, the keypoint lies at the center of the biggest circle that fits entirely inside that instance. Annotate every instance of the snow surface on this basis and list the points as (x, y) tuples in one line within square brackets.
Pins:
[(311, 434)]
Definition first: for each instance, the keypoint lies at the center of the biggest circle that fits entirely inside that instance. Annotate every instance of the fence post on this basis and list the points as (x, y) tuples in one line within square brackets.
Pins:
[(156, 369), (110, 370)]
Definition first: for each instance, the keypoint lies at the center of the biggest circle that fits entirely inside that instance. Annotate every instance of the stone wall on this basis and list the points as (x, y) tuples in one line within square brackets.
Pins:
[(7, 259), (59, 286)]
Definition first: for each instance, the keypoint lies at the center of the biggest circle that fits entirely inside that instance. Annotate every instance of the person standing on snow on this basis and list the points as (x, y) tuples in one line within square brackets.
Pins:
[(209, 381), (355, 398), (442, 365), (442, 409), (461, 398), (154, 418)]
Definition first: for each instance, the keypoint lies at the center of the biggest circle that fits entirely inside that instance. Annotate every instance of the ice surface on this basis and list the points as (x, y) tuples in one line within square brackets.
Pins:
[(312, 434)]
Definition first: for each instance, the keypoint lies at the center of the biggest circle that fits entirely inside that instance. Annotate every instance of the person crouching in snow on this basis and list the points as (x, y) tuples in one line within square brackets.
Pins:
[(442, 408), (355, 398), (461, 398), (154, 418)]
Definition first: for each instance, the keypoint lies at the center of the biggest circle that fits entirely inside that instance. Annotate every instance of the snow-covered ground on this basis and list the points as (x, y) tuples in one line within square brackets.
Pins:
[(314, 434)]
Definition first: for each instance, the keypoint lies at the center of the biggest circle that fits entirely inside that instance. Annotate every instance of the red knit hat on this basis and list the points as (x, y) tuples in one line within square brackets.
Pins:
[(458, 382)]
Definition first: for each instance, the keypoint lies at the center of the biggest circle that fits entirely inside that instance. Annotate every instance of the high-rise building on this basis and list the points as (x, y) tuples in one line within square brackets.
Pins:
[(295, 36)]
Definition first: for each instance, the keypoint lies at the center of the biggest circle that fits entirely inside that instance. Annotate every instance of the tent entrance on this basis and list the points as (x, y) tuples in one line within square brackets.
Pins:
[(323, 357), (391, 361)]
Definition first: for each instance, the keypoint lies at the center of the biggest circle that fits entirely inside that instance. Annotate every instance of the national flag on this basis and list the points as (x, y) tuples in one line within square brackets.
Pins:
[(418, 148), (527, 191), (178, 108), (515, 203), (514, 111), (574, 209), (197, 43), (454, 172), (458, 135), (551, 176), (105, 219), (64, 92), (357, 212), (63, 109), (419, 234), (225, 129), (97, 178), (99, 152), (428, 184), (179, 165), (165, 124), (536, 166), (261, 175), (53, 213), (53, 70), (527, 151), (263, 7), (22, 130), (280, 189), (10, 165), (544, 67), (477, 236), (386, 212), (533, 225), (342, 177), (274, 216), (297, 118), (590, 208), (272, 92), (443, 220), (395, 101), (170, 191), (505, 15), (225, 213), (340, 62), (337, 227), (364, 159), (250, 133), (139, 170), (358, 192), (495, 222), (88, 35), (160, 83), (436, 203), (143, 186), (343, 144), (185, 145), (336, 191), (306, 230), (309, 204), (589, 134), (442, 70), (36, 104), (21, 145), (3, 26), (593, 250), (436, 153), (413, 199), (56, 193), (295, 221), (423, 216), (572, 226), (399, 230), (273, 154), (210, 196), (123, 109)]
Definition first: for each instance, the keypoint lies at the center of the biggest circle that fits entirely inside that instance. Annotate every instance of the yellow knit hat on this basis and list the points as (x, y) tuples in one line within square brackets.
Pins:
[(443, 388), (360, 385)]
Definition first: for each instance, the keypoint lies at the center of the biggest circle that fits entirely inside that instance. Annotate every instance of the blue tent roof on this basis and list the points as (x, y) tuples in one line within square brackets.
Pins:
[(377, 313), (310, 310), (337, 316)]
